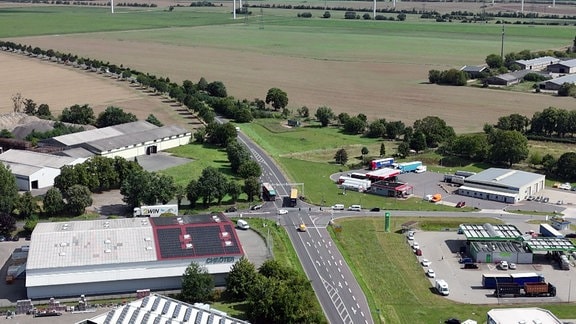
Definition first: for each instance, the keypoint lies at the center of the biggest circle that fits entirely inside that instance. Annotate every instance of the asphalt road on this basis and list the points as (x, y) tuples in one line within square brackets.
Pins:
[(335, 286)]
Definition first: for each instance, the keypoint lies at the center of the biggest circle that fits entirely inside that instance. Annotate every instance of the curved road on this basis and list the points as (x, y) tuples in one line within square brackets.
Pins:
[(335, 286)]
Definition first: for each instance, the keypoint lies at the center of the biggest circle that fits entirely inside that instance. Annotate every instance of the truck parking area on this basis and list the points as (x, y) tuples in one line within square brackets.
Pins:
[(466, 284)]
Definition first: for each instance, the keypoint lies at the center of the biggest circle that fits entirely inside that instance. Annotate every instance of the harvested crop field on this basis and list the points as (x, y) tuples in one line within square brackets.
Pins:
[(386, 83), (61, 86)]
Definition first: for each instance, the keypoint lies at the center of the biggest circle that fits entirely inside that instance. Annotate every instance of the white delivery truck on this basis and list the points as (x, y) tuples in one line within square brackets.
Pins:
[(156, 210), (442, 287)]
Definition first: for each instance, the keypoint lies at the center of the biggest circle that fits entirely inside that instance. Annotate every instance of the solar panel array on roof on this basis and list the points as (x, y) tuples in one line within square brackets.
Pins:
[(490, 232), (550, 244), (187, 219)]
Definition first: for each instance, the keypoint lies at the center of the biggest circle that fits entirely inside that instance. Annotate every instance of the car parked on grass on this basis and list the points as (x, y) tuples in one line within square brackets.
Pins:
[(430, 273), (425, 262), (415, 246), (411, 235)]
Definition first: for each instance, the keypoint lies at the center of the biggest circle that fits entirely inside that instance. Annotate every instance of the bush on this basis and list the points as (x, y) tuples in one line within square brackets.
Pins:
[(350, 15)]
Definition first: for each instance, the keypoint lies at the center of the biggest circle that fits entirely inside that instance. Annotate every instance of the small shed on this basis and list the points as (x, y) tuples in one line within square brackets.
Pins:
[(473, 71)]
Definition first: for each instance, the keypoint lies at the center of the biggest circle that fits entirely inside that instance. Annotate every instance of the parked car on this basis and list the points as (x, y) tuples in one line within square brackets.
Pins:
[(282, 212), (460, 204), (573, 188), (470, 266), (415, 246), (465, 260), (2, 238), (15, 238), (503, 265), (430, 273), (545, 199), (512, 266), (425, 262), (452, 321), (410, 235), (565, 186), (231, 209), (530, 198), (375, 209), (256, 207)]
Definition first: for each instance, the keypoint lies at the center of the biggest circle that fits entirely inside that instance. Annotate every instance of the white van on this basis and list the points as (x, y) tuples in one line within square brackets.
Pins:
[(338, 207), (442, 287), (242, 224), (355, 208)]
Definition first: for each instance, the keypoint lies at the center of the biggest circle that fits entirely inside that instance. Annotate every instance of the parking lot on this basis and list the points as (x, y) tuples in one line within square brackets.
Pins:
[(466, 284)]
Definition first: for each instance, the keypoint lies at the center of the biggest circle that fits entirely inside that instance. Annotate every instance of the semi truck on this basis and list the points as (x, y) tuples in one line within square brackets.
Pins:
[(156, 210), (381, 163), (528, 289), (406, 167), (548, 231), (491, 281)]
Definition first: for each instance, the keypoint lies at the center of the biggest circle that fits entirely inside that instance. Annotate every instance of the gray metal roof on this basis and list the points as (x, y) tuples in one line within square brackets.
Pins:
[(539, 61), (96, 242), (18, 169), (568, 63), (134, 138), (504, 178), (37, 159), (102, 133), (160, 309), (490, 232), (77, 152), (570, 78), (473, 68)]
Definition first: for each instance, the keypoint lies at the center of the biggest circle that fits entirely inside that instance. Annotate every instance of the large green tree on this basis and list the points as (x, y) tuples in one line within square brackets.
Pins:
[(418, 141), (53, 202), (114, 116), (508, 147), (237, 154), (240, 279), (26, 205), (192, 192), (341, 156), (78, 198), (251, 188), (249, 169), (277, 98), (77, 114), (212, 184), (435, 130), (566, 166), (324, 115), (197, 284), (8, 189)]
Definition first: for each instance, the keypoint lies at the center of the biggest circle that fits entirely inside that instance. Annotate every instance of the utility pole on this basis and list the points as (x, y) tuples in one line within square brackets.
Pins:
[(502, 45)]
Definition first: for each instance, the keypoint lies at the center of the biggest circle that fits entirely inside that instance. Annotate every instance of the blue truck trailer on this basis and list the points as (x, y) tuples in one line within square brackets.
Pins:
[(491, 281), (406, 167)]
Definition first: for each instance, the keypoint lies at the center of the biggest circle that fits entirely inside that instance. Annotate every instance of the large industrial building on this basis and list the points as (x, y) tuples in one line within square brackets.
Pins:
[(487, 243), (35, 170), (505, 185), (126, 140), (522, 315), (125, 255)]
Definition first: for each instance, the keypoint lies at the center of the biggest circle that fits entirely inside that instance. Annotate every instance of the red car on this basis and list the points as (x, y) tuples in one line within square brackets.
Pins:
[(460, 204)]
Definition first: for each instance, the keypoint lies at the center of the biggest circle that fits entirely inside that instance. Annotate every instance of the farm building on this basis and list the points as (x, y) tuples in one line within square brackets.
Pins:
[(555, 84), (126, 140), (473, 71), (35, 170), (102, 257), (161, 309), (563, 67), (504, 185), (391, 189), (508, 79), (537, 64), (521, 315)]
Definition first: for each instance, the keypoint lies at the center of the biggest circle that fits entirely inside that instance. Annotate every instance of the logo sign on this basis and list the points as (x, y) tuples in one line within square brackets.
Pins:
[(217, 260)]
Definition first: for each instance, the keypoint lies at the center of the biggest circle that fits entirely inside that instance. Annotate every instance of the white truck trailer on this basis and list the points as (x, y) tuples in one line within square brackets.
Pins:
[(156, 210)]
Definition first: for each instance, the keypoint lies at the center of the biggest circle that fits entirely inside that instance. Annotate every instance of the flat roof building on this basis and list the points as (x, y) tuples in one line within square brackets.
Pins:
[(124, 255), (521, 315), (35, 170), (505, 185)]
